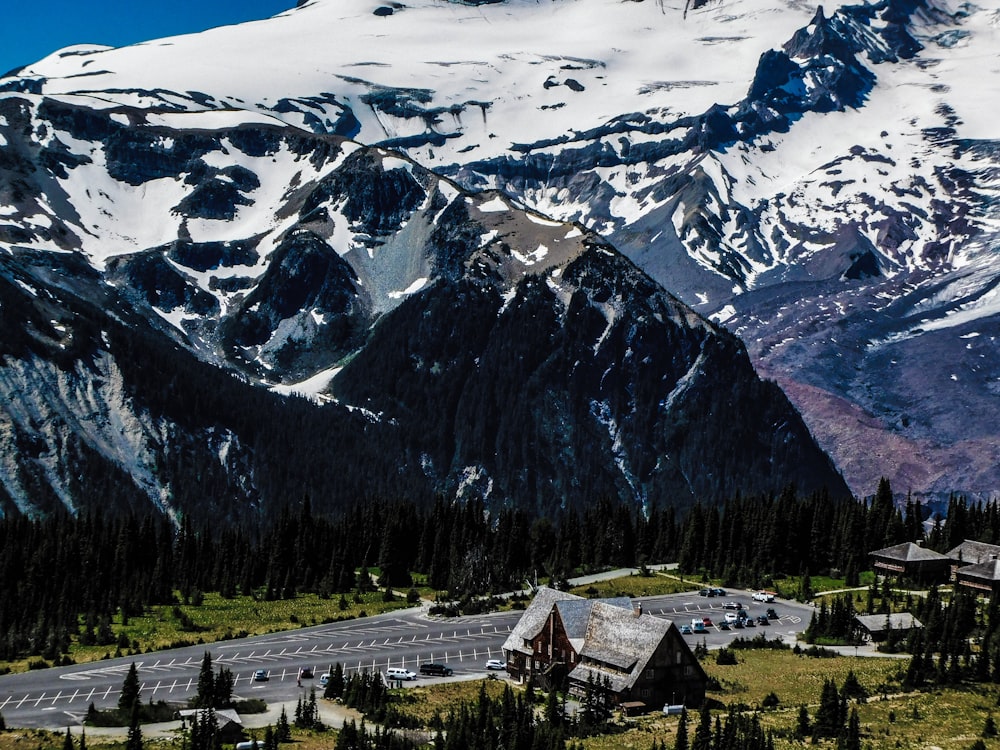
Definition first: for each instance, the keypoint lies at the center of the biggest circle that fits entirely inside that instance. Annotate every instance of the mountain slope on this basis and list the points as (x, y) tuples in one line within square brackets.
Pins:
[(820, 180), (451, 342)]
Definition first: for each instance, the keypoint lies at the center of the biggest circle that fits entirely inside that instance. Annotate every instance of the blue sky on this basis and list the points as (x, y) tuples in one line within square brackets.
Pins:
[(31, 29)]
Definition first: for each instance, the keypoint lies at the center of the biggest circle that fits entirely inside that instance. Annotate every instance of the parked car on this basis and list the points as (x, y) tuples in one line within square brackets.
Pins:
[(706, 621), (732, 605), (686, 630), (771, 613), (306, 673), (731, 617), (496, 664), (719, 592), (261, 675), (763, 596), (738, 624), (723, 625), (439, 670), (762, 619), (699, 628), (704, 592), (749, 622), (324, 679), (398, 673)]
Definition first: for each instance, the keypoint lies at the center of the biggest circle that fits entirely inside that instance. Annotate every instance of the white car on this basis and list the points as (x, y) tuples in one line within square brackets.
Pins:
[(397, 673), (496, 664), (762, 596)]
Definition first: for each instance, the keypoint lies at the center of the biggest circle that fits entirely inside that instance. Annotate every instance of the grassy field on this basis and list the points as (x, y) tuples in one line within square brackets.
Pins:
[(949, 719), (637, 585)]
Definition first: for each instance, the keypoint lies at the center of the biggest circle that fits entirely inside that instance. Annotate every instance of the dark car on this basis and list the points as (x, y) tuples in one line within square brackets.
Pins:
[(723, 625), (703, 592), (762, 619), (771, 613), (719, 592), (439, 670), (749, 622), (738, 624), (306, 673)]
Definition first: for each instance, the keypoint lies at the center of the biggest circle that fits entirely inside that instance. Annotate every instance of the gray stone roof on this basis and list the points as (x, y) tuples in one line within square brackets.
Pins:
[(988, 571), (897, 621), (910, 552), (534, 617), (972, 552)]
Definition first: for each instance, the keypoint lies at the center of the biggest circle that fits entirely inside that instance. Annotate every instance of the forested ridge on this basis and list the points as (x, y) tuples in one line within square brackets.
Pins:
[(66, 576)]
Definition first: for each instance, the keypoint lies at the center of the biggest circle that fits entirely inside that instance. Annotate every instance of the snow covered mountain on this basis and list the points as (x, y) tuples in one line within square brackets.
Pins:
[(821, 181), (450, 342)]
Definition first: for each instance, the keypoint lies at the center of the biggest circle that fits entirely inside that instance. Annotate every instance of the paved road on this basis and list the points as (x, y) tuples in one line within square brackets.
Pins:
[(57, 698)]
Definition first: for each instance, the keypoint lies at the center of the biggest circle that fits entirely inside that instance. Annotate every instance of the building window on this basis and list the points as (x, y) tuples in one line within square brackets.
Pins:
[(650, 674), (645, 692)]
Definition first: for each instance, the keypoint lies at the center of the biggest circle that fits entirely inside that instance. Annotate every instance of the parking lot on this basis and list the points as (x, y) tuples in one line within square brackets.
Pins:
[(789, 618)]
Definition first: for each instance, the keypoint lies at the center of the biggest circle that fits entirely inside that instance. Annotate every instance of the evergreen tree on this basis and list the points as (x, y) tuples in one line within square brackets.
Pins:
[(134, 740), (205, 697), (282, 730), (703, 732), (222, 690), (803, 727), (681, 741), (68, 741), (335, 684), (130, 690), (828, 715), (852, 737)]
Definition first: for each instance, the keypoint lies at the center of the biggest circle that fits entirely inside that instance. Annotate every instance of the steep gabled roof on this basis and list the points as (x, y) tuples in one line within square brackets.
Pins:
[(534, 617), (575, 616), (972, 552), (909, 552), (618, 645)]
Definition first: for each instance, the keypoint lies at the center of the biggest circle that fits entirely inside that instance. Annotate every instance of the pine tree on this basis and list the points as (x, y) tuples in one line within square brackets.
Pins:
[(803, 727), (206, 684), (282, 731), (703, 732), (130, 690), (222, 689), (68, 741), (681, 741), (134, 740)]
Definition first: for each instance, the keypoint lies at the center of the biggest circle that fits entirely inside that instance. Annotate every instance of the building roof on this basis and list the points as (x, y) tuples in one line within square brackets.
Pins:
[(972, 552), (987, 571), (910, 552), (575, 615), (619, 644), (224, 716), (534, 617), (897, 621)]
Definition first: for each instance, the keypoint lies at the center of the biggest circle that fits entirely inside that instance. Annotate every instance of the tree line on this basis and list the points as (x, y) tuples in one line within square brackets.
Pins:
[(112, 567)]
